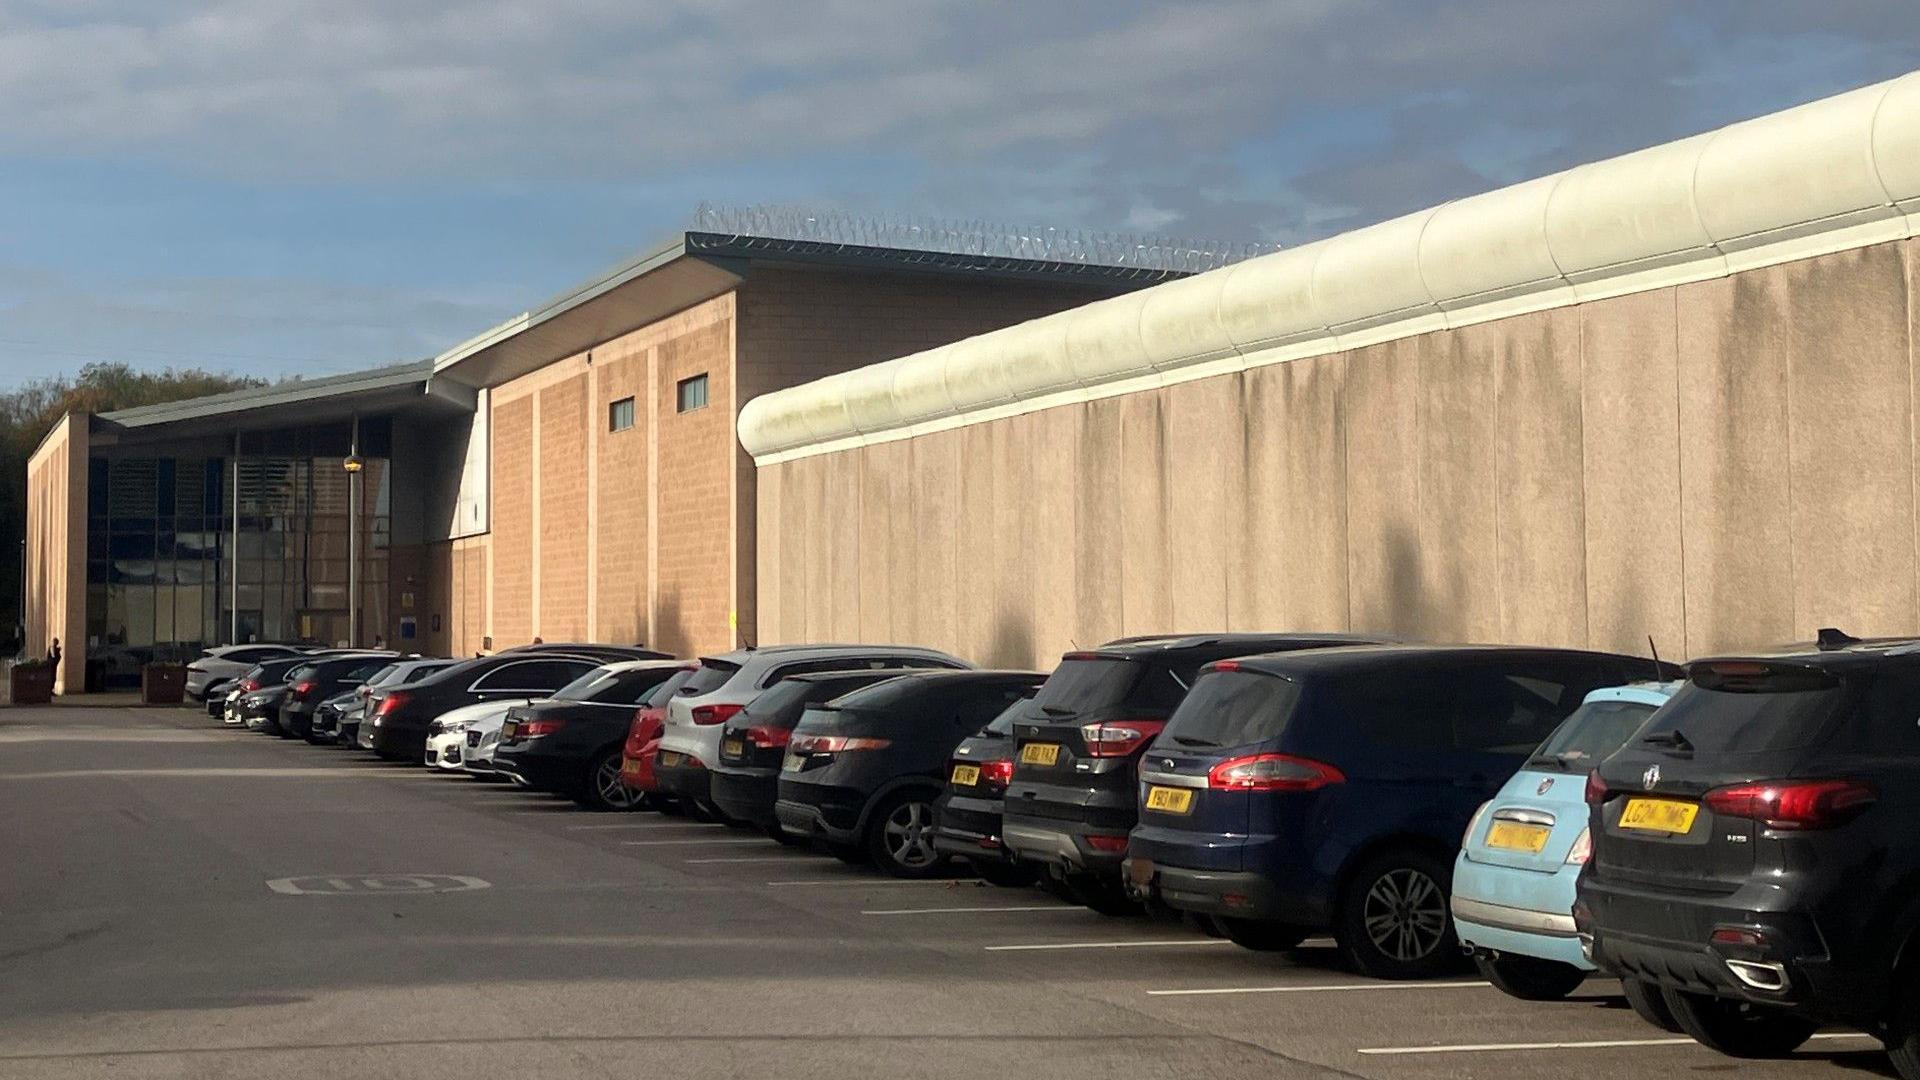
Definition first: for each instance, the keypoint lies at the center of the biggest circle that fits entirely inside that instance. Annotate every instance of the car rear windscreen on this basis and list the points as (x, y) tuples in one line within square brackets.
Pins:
[(1594, 731), (1748, 707), (1084, 683), (1232, 708), (659, 694), (710, 676)]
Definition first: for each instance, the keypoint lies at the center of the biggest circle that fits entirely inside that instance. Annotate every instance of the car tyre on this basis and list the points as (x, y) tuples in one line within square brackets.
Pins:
[(1649, 1004), (603, 788), (1006, 875), (1529, 978), (1903, 1032), (1261, 935), (1737, 1028), (900, 836), (1394, 921), (1104, 895)]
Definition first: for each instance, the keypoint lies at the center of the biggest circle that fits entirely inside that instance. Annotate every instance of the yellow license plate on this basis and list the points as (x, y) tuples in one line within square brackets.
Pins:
[(671, 758), (1040, 753), (791, 763), (1514, 836), (1170, 800), (736, 747), (1659, 815), (966, 775), (507, 729)]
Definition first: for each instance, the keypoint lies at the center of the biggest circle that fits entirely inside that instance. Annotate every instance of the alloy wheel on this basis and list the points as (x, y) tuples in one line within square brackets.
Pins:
[(613, 791), (1405, 914), (909, 835)]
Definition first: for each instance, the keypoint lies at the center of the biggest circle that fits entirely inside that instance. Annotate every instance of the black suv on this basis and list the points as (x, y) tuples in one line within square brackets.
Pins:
[(1070, 802), (1752, 850)]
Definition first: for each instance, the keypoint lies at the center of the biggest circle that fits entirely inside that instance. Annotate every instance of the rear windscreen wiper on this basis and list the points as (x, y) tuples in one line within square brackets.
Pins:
[(1185, 740), (1672, 739), (1558, 761)]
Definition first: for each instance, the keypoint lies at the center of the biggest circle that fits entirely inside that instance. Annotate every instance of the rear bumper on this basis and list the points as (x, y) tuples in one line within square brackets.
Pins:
[(1239, 893), (1060, 844), (394, 741), (807, 820), (746, 796), (686, 779), (1519, 912), (969, 828), (1662, 938), (541, 772)]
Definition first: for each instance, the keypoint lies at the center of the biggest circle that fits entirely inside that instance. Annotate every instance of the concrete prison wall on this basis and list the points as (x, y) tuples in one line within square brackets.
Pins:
[(1668, 394)]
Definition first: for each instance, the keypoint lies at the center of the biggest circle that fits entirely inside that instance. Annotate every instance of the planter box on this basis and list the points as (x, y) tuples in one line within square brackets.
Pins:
[(163, 684), (31, 684)]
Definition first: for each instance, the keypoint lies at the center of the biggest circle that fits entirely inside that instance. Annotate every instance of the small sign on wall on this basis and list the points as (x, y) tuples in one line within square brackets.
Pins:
[(409, 628)]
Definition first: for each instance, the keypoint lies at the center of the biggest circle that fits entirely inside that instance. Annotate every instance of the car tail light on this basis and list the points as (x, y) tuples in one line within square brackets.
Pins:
[(303, 688), (707, 715), (1226, 665), (533, 729), (1107, 843), (1793, 804), (835, 744), (1582, 849), (390, 704), (249, 686), (997, 773), (1738, 935), (1119, 738), (1272, 772), (1596, 789), (767, 738)]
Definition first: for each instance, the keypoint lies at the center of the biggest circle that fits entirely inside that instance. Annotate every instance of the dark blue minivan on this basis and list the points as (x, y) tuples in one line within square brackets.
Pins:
[(1328, 789)]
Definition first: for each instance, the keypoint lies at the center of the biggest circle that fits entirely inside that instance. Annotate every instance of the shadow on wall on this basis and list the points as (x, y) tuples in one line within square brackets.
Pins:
[(1412, 607), (1011, 645), (670, 625)]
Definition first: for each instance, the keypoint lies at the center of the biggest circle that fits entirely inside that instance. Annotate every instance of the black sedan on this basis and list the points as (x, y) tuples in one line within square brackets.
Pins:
[(261, 691), (746, 782), (862, 771), (322, 678), (397, 730), (570, 744)]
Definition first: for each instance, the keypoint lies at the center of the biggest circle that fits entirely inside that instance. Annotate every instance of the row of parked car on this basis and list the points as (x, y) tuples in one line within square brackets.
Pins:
[(1727, 839)]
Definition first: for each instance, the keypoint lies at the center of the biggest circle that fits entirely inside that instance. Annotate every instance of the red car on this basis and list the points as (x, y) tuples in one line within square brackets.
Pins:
[(643, 738)]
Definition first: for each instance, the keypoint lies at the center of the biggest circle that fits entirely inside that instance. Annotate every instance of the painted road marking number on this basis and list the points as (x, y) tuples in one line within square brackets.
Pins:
[(375, 884)]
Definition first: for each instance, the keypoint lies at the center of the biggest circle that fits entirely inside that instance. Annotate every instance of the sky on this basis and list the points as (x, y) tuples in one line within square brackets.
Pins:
[(287, 188)]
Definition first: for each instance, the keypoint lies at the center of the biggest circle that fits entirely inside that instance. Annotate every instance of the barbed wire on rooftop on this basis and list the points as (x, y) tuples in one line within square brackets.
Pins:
[(977, 238)]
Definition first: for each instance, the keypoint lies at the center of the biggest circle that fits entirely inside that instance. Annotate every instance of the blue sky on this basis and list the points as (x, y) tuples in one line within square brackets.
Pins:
[(281, 187)]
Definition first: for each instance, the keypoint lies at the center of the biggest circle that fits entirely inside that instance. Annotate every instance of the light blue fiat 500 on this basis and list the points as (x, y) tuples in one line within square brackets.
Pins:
[(1513, 881)]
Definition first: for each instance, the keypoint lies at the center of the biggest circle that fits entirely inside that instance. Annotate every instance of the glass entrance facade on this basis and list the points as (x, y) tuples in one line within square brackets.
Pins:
[(176, 564)]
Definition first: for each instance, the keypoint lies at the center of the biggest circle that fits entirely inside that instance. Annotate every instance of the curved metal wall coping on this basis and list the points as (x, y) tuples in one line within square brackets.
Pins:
[(1835, 174)]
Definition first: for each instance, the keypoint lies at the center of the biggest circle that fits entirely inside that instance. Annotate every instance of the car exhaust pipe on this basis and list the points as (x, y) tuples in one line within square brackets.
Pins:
[(1766, 976)]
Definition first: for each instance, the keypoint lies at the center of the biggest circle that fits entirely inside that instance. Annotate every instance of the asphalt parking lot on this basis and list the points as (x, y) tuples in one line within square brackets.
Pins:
[(178, 900)]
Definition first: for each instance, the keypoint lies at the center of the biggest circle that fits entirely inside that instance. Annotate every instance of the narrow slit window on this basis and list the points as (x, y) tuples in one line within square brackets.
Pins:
[(693, 393), (620, 415)]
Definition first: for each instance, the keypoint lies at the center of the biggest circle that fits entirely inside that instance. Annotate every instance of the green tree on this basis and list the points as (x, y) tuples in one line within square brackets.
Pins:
[(29, 412)]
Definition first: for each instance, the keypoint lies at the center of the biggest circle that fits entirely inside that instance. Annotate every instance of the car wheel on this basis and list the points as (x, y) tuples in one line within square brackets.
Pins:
[(1005, 874), (603, 788), (1738, 1028), (900, 837), (1903, 1033), (1260, 935), (1648, 1003), (1530, 979), (1393, 921), (1104, 895)]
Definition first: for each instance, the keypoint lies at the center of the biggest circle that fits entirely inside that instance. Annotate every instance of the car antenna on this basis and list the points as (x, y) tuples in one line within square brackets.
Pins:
[(1659, 673)]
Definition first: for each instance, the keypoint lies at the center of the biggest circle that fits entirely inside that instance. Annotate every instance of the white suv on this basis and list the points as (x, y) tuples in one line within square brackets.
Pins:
[(726, 683)]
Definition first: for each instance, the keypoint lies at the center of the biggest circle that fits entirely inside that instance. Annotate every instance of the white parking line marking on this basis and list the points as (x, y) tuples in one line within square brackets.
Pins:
[(1596, 1044), (650, 825), (968, 910), (674, 843), (1316, 988), (754, 859), (1108, 945), (859, 883)]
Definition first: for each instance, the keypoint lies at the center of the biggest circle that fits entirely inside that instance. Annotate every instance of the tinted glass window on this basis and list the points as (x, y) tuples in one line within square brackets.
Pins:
[(780, 699), (710, 676), (1893, 713), (1019, 710), (536, 675), (659, 694), (583, 688), (1749, 707), (1404, 709), (364, 672), (386, 672), (304, 671), (1504, 712), (1083, 685), (1594, 731), (603, 687), (423, 671), (1233, 708)]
